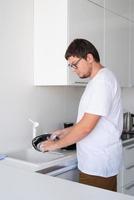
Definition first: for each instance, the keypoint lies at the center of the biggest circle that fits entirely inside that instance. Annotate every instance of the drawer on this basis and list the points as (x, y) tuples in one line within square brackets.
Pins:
[(128, 155), (128, 175), (72, 175), (129, 189)]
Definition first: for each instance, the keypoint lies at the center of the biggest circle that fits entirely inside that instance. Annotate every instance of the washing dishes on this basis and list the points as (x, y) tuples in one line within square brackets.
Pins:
[(99, 122)]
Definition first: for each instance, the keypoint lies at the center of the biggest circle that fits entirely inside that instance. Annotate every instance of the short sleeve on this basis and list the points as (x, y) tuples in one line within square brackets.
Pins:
[(100, 99)]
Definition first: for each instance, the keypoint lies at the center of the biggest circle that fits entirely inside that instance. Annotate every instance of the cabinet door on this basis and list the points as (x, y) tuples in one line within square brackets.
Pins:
[(117, 46), (72, 175), (86, 20), (128, 155), (129, 189), (129, 174), (121, 7), (132, 10), (132, 53), (50, 42)]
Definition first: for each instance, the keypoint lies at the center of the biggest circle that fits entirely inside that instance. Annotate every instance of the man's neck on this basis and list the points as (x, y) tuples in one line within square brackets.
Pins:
[(95, 68)]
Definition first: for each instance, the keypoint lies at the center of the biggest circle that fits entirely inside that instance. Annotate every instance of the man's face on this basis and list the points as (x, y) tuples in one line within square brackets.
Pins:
[(80, 66)]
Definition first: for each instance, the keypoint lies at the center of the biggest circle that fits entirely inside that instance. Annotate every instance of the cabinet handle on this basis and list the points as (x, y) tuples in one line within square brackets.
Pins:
[(131, 166), (132, 147), (64, 169), (95, 3), (79, 82), (129, 187)]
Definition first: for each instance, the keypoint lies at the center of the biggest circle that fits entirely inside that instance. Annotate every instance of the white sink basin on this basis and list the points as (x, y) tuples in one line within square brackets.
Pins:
[(32, 159), (35, 157)]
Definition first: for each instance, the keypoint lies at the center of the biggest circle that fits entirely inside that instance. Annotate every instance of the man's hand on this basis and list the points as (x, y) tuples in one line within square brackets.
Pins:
[(60, 133), (51, 143), (72, 134), (48, 145)]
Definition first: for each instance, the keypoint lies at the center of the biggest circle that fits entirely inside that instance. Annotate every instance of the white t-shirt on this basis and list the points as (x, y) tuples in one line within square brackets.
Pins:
[(100, 152)]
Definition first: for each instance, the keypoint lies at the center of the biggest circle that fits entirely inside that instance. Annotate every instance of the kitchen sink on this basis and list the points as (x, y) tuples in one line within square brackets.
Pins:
[(35, 157), (32, 159)]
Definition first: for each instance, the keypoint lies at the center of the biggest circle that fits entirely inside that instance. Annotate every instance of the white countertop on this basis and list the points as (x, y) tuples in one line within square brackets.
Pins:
[(19, 184), (31, 160)]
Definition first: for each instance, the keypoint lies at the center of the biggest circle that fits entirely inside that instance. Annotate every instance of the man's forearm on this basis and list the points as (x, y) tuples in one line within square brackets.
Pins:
[(75, 134), (79, 131)]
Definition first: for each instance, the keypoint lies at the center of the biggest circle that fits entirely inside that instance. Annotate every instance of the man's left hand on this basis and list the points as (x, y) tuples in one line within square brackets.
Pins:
[(48, 145)]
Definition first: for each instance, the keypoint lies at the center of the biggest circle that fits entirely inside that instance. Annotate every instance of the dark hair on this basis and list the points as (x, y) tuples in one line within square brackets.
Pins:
[(80, 48)]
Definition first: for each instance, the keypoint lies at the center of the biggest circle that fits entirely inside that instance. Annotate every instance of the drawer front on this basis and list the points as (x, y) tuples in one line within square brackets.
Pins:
[(128, 174), (128, 155), (129, 189), (72, 175)]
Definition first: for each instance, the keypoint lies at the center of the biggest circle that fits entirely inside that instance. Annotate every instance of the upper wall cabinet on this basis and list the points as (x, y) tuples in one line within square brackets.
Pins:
[(56, 24), (132, 43), (117, 49), (120, 7), (99, 2), (131, 53), (132, 10), (86, 21), (50, 42)]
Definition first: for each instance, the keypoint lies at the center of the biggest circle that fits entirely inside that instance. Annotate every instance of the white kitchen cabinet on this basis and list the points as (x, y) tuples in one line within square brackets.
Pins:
[(126, 176), (56, 24), (132, 42), (117, 49), (72, 175), (132, 10), (120, 7), (87, 21), (129, 189), (50, 41), (132, 53)]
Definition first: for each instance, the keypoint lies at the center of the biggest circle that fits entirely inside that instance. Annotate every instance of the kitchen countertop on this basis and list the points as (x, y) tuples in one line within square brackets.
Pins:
[(65, 157), (19, 184)]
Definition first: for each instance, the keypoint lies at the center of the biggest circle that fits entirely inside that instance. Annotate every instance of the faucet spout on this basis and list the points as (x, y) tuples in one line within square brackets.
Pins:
[(35, 125)]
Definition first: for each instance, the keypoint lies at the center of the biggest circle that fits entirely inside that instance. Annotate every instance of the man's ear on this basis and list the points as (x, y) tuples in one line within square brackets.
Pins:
[(90, 58)]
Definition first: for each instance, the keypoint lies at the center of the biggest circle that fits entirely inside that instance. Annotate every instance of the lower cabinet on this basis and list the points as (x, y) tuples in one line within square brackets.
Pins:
[(129, 189), (67, 171), (72, 175), (125, 179)]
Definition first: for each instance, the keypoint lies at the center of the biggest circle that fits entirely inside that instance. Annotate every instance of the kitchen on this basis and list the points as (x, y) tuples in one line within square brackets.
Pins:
[(20, 98)]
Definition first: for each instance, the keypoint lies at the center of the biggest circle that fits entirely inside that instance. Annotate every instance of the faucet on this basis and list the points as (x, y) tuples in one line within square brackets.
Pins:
[(35, 125)]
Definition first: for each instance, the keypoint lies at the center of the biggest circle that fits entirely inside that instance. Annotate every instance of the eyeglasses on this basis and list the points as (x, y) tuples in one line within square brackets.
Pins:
[(74, 65)]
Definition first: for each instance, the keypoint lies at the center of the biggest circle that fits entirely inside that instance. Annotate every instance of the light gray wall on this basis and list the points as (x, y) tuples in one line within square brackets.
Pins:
[(19, 98)]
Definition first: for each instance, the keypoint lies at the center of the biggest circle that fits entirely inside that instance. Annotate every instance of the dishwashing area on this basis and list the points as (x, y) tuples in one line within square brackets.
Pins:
[(61, 163)]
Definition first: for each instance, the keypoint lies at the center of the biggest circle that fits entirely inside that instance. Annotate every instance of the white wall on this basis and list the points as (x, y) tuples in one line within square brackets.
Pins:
[(19, 99)]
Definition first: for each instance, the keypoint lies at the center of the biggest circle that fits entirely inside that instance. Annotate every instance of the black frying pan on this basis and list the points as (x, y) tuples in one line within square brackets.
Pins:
[(38, 139)]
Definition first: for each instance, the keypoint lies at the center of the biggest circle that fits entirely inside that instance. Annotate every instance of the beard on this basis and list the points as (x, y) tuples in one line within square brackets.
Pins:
[(84, 76)]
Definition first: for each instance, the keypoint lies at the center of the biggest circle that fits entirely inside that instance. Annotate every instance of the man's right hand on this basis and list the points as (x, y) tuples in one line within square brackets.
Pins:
[(60, 133)]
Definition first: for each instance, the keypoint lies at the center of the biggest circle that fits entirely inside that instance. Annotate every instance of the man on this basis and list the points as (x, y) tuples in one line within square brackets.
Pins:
[(99, 123)]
